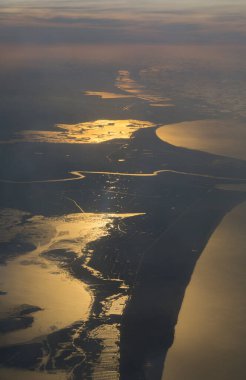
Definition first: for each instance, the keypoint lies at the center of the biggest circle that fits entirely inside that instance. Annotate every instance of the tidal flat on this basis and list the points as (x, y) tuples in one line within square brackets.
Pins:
[(123, 157)]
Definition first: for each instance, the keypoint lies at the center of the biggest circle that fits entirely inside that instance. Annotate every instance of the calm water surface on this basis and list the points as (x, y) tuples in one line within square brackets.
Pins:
[(210, 334)]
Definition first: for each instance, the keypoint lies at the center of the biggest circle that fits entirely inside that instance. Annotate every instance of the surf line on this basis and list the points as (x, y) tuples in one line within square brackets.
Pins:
[(78, 177), (82, 174), (156, 172)]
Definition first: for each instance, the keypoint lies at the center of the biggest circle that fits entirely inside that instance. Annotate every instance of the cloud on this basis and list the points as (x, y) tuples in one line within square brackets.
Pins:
[(121, 22)]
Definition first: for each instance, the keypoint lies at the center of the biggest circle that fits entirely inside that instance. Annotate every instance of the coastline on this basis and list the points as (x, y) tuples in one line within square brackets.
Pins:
[(208, 343)]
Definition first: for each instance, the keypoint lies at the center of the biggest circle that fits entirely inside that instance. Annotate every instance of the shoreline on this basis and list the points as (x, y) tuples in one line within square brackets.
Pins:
[(217, 284)]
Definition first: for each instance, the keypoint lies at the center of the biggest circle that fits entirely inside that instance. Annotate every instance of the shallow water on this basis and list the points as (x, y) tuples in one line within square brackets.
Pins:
[(93, 132), (83, 87), (222, 137), (63, 299), (34, 279), (210, 334)]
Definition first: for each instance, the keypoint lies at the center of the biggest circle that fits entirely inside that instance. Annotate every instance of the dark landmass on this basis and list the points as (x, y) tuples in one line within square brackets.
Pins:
[(52, 55), (153, 255)]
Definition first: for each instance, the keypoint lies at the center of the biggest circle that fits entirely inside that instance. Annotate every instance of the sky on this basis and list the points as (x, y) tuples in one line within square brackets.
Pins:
[(107, 21), (50, 48)]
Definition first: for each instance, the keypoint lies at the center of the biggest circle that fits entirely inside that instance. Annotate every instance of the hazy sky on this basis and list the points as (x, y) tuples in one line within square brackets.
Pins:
[(156, 21), (46, 43)]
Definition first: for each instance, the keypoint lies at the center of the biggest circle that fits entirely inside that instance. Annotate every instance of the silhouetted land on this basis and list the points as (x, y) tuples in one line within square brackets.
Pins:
[(154, 254)]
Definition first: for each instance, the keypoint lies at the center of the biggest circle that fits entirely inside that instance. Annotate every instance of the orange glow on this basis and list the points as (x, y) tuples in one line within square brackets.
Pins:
[(221, 137), (125, 83), (209, 339), (107, 95), (27, 278), (86, 133)]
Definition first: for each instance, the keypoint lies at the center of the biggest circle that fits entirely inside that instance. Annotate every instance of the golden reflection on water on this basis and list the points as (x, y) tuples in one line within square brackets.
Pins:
[(222, 137), (210, 338), (69, 232), (93, 132), (125, 83), (107, 95), (37, 280)]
